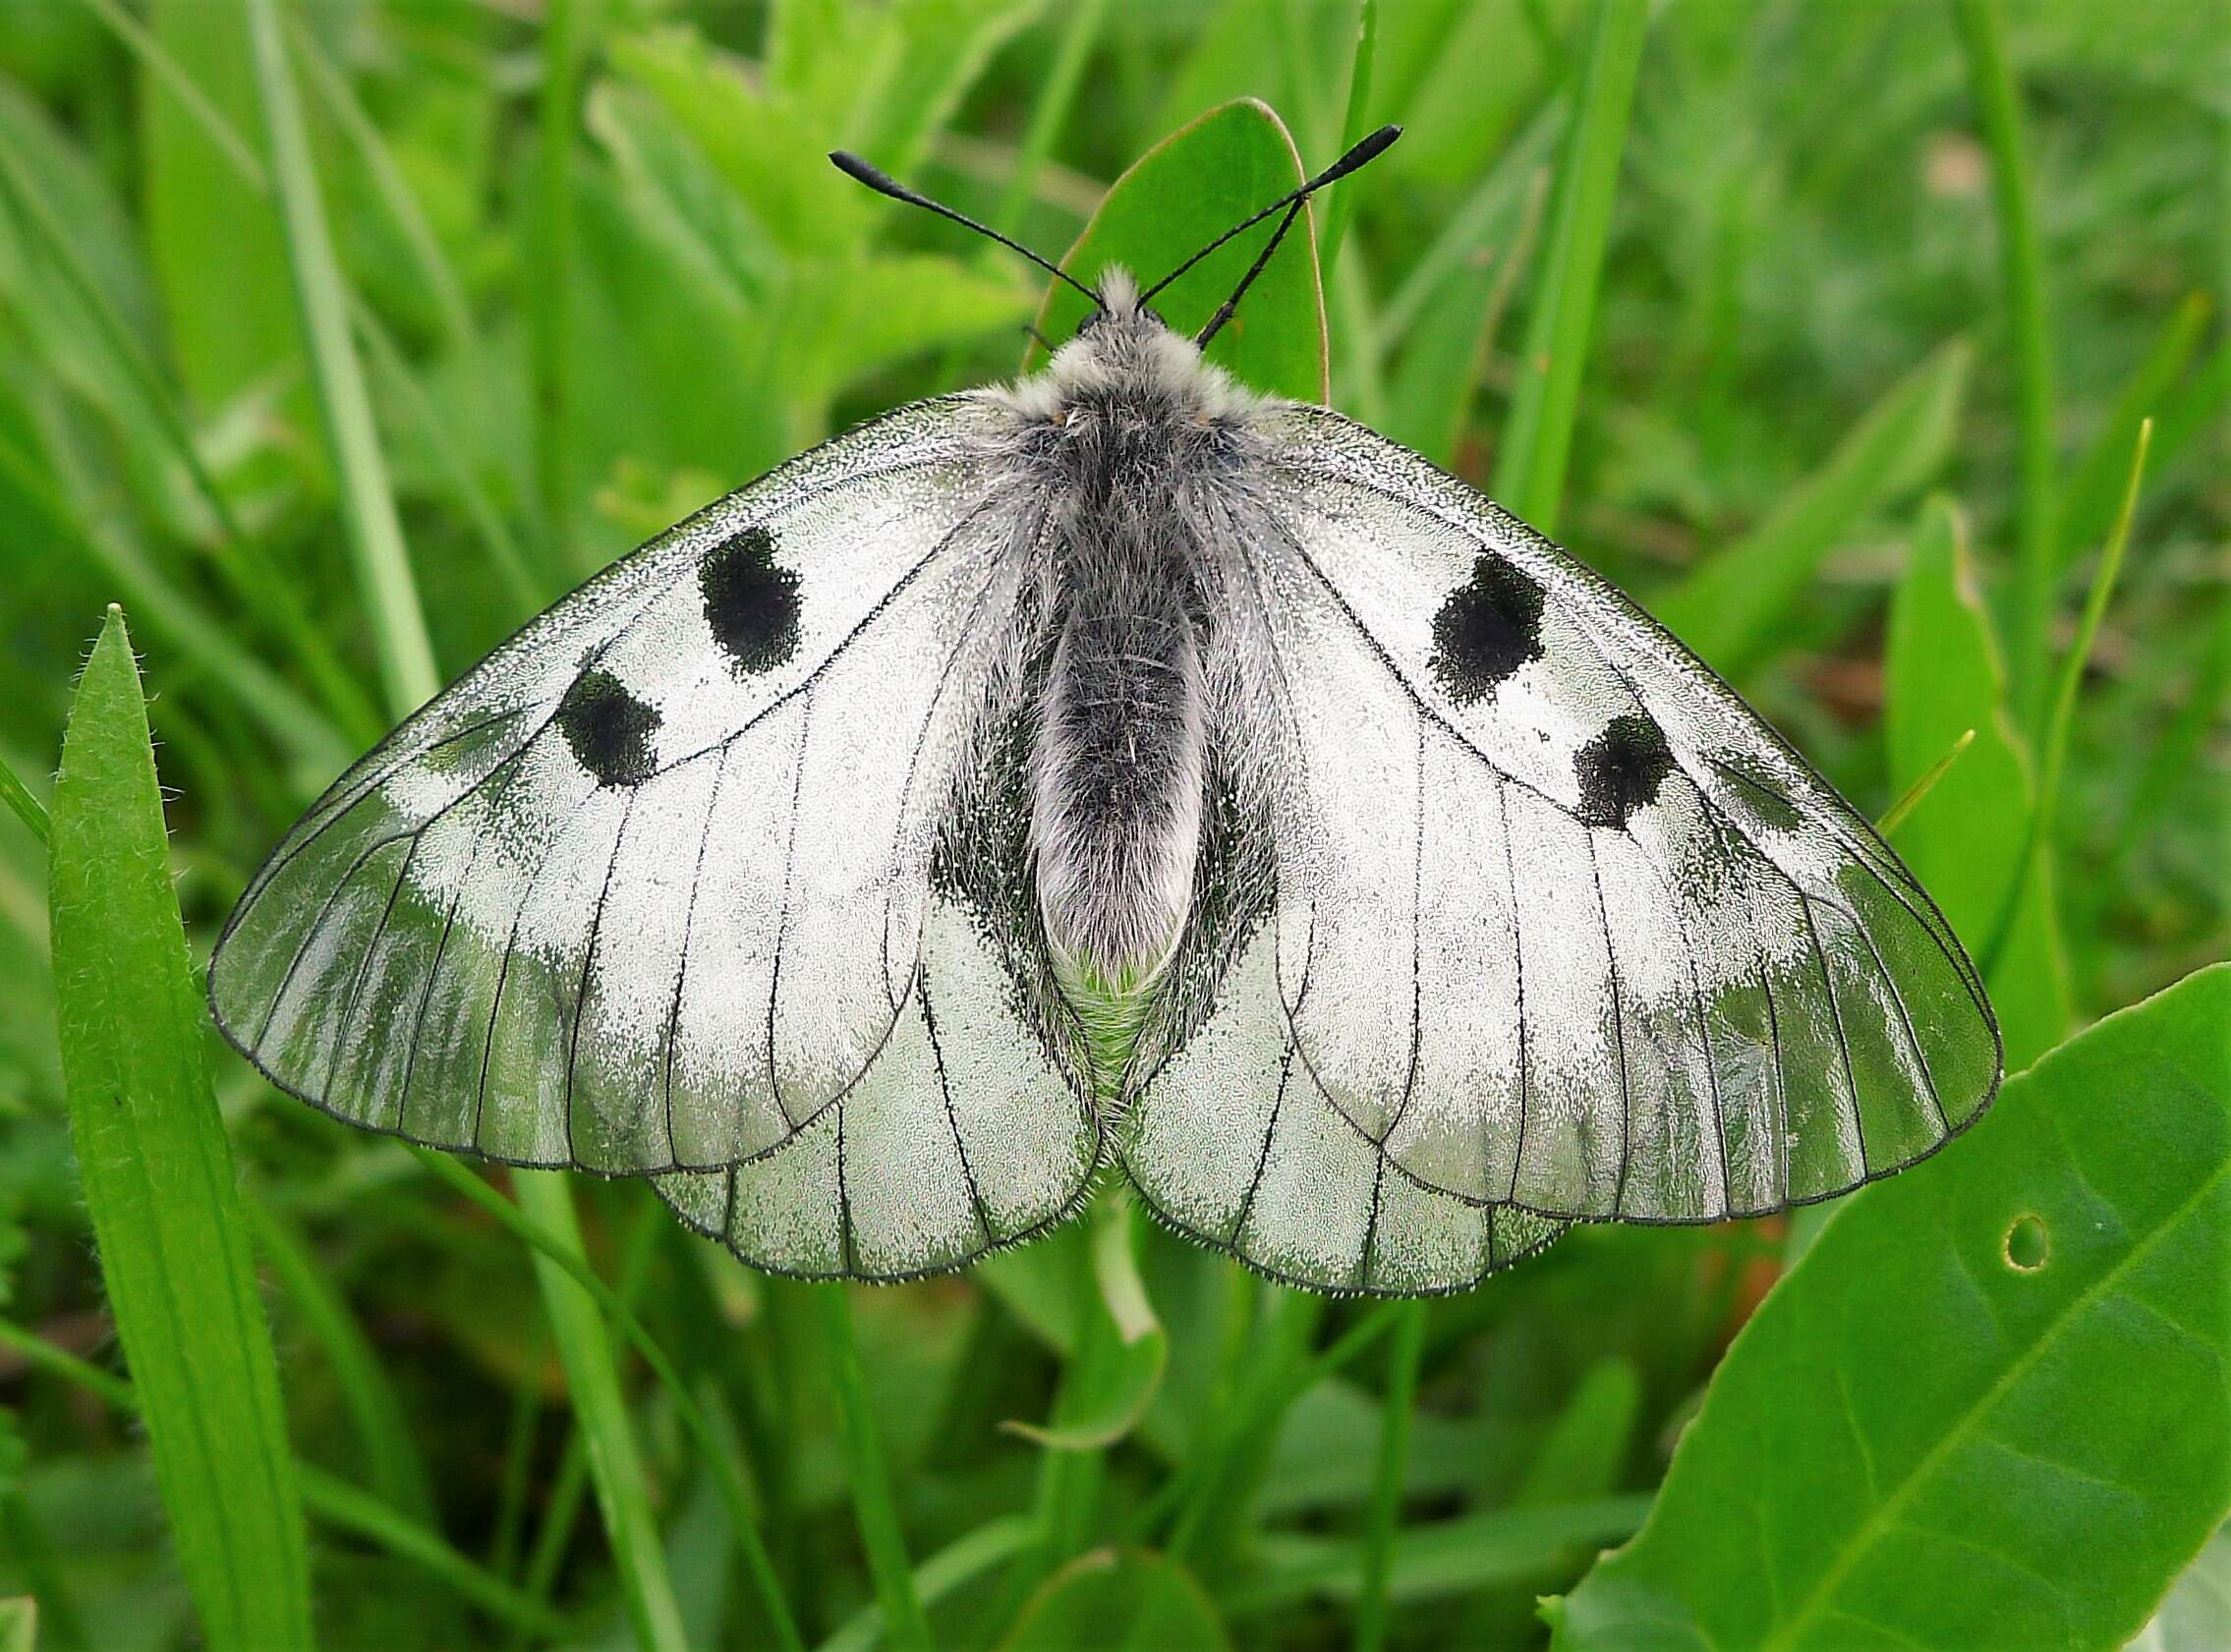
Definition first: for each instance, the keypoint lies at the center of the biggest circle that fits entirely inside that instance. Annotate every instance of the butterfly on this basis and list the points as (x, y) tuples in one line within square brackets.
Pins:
[(1113, 770)]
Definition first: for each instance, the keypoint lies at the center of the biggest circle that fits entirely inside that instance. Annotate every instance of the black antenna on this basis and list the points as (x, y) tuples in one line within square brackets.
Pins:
[(1368, 151), (1262, 263), (882, 183)]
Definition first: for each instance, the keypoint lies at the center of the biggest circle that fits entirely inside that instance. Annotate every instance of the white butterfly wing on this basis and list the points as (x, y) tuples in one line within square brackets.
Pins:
[(1234, 1142), (1559, 922), (646, 890)]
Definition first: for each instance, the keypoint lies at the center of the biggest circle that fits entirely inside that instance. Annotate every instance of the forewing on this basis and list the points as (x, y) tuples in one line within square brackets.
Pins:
[(644, 890), (1561, 922)]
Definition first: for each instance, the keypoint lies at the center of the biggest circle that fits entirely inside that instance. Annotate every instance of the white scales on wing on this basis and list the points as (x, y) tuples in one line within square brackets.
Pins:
[(621, 900)]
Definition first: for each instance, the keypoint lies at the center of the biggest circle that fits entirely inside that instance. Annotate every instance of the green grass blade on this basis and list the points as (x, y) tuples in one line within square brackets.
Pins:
[(296, 727), (343, 1506), (1730, 606), (1895, 816), (615, 1467), (376, 536), (1051, 113), (549, 266), (1461, 1556), (2094, 487), (959, 1563), (1382, 1522), (2021, 265), (1342, 207), (21, 802), (408, 670), (562, 1251), (2052, 762), (1537, 436), (254, 581), (159, 1175), (331, 1500), (390, 189), (906, 1626), (397, 1469)]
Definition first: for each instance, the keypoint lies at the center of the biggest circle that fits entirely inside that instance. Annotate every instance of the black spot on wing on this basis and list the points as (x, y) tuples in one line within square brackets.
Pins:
[(1486, 630), (608, 728), (1620, 771), (751, 601)]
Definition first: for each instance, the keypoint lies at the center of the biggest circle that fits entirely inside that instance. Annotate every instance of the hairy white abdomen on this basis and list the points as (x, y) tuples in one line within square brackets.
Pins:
[(1118, 773)]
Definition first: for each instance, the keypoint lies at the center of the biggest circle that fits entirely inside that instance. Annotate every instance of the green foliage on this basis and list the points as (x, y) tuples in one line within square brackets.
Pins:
[(158, 1176), (1173, 201), (1910, 1443), (336, 341)]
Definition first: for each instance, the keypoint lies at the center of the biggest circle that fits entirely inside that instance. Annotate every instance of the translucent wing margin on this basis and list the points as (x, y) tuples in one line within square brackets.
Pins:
[(1561, 922), (646, 890)]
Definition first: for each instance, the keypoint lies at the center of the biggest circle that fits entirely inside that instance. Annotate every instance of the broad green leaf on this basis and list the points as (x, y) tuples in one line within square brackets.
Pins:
[(1987, 1408), (1118, 1598), (159, 1175), (1965, 841), (1176, 198), (1728, 608)]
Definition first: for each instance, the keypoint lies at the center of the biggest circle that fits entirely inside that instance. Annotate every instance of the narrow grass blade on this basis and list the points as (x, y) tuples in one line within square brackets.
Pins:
[(312, 742), (397, 1469), (376, 536), (1382, 1522), (136, 39), (21, 801), (331, 1500), (345, 1507), (1222, 1484), (1537, 436), (559, 1246), (159, 1175), (958, 1564), (549, 266), (1455, 1557), (1728, 608), (441, 278), (1341, 208), (2021, 264), (1430, 404), (254, 580), (1050, 114), (408, 669), (2053, 757), (615, 1467), (2087, 500), (906, 1626), (1895, 816)]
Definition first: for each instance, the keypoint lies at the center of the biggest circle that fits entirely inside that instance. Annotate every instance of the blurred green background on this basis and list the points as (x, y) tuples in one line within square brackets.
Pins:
[(1855, 417)]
